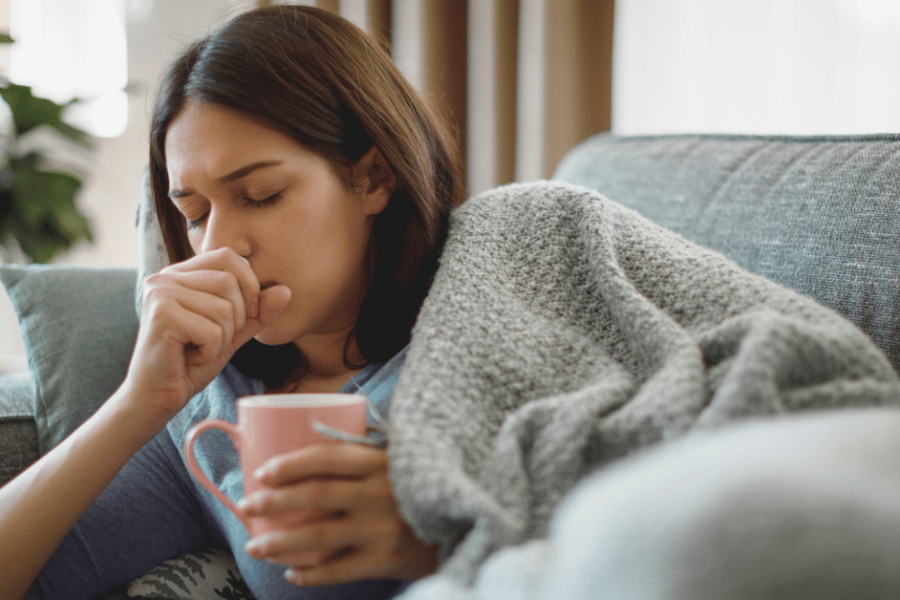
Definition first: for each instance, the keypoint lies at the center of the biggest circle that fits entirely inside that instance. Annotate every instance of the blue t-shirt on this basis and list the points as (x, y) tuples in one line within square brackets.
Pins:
[(218, 457)]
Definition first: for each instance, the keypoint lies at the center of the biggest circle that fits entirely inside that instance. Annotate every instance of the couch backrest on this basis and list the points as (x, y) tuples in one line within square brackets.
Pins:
[(818, 214)]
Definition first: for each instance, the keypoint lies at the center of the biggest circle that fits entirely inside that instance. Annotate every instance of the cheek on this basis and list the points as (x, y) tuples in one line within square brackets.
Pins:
[(195, 241), (338, 237), (317, 243), (328, 268)]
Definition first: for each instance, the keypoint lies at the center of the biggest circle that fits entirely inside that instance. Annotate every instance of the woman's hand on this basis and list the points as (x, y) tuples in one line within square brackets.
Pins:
[(366, 538), (195, 315)]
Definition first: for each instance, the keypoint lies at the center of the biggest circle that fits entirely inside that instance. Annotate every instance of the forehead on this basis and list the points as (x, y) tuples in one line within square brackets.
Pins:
[(208, 139)]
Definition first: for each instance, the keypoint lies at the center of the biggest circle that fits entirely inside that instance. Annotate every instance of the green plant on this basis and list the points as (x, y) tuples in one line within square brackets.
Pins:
[(38, 212)]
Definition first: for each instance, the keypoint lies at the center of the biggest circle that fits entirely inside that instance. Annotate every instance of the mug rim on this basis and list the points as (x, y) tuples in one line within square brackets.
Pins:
[(296, 400)]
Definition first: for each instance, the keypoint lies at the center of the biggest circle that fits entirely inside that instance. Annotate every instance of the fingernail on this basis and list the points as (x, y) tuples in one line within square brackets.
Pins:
[(293, 577), (253, 548), (263, 474)]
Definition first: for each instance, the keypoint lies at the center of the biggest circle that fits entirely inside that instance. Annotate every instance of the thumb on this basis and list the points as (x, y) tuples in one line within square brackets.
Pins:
[(272, 303)]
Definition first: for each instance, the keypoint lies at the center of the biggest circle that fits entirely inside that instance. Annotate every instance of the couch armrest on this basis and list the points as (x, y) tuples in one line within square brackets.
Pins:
[(18, 432)]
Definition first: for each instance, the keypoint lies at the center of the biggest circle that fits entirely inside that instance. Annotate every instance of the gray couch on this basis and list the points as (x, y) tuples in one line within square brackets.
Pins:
[(819, 215), (18, 432)]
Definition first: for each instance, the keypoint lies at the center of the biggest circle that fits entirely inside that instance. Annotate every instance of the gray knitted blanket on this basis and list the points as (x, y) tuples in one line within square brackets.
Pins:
[(564, 331)]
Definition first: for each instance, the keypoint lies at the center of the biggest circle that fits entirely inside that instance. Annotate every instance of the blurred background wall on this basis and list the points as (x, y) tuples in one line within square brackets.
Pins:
[(154, 29), (524, 80)]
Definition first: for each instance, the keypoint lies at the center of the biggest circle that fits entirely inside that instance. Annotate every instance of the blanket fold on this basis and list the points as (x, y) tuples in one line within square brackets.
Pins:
[(564, 331)]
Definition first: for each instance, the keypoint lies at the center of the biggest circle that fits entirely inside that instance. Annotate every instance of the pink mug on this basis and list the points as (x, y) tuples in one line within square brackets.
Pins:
[(268, 425)]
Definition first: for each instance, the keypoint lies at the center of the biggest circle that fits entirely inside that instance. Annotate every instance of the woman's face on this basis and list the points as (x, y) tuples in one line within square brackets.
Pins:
[(250, 188)]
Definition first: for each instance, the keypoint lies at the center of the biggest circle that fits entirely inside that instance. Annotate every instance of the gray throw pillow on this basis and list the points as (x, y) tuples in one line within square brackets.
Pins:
[(79, 329)]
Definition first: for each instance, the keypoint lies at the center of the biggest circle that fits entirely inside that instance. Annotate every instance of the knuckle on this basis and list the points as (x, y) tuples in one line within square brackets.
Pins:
[(154, 287), (385, 555), (277, 470), (317, 491), (317, 535), (379, 460), (328, 456), (266, 503), (226, 278), (222, 281), (222, 310), (392, 532), (375, 460), (357, 494), (214, 334), (384, 492), (321, 575), (270, 546), (377, 493), (155, 311), (208, 341), (155, 279)]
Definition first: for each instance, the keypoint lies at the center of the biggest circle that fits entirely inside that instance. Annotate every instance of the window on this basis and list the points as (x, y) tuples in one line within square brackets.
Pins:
[(68, 49), (756, 66)]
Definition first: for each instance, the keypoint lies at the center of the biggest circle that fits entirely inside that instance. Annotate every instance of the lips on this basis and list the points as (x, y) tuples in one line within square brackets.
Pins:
[(264, 285)]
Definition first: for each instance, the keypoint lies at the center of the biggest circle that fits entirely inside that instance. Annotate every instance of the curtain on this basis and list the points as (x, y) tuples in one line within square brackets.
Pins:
[(520, 81)]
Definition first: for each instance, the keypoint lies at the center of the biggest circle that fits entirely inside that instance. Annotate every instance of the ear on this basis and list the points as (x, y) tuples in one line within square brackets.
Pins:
[(375, 179)]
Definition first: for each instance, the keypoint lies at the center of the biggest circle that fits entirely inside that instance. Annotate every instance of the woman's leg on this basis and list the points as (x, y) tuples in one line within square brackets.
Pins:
[(147, 514), (802, 507)]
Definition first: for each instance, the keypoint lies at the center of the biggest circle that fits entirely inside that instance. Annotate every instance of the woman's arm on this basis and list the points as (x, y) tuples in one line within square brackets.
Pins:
[(195, 315), (41, 505)]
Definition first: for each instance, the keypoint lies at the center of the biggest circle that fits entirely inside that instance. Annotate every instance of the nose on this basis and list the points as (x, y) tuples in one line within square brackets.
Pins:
[(224, 230)]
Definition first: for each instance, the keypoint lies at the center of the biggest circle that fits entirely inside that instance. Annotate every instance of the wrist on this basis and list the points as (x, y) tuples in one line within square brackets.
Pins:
[(134, 418)]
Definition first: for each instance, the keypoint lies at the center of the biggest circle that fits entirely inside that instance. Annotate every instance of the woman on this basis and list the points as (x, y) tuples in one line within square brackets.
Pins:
[(303, 189)]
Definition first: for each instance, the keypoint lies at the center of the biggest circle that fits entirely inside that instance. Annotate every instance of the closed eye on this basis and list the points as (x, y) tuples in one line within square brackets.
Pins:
[(197, 223), (263, 202), (247, 201)]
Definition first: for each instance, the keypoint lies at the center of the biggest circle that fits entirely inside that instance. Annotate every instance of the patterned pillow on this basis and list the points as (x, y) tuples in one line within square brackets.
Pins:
[(151, 249), (208, 573)]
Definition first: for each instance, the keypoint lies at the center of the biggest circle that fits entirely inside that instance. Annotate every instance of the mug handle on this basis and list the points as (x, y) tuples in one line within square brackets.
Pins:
[(201, 477)]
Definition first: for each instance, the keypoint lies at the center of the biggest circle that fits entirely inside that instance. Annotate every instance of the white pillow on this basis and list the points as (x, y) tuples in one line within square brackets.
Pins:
[(151, 249)]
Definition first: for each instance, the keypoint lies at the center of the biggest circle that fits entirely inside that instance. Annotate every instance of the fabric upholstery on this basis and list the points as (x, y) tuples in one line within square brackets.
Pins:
[(562, 332), (794, 508), (817, 214), (18, 434), (208, 573), (79, 329), (151, 249)]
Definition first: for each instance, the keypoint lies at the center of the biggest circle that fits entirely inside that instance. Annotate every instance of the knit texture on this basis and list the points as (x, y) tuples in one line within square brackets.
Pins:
[(564, 331)]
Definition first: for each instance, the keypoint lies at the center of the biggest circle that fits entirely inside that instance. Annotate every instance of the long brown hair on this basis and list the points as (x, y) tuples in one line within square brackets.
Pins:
[(323, 82)]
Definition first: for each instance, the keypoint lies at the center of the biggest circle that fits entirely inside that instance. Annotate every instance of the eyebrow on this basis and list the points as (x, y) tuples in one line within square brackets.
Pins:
[(230, 177)]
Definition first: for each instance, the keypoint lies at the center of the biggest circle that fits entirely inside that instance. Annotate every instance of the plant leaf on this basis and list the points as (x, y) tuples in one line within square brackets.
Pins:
[(44, 218), (30, 112)]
